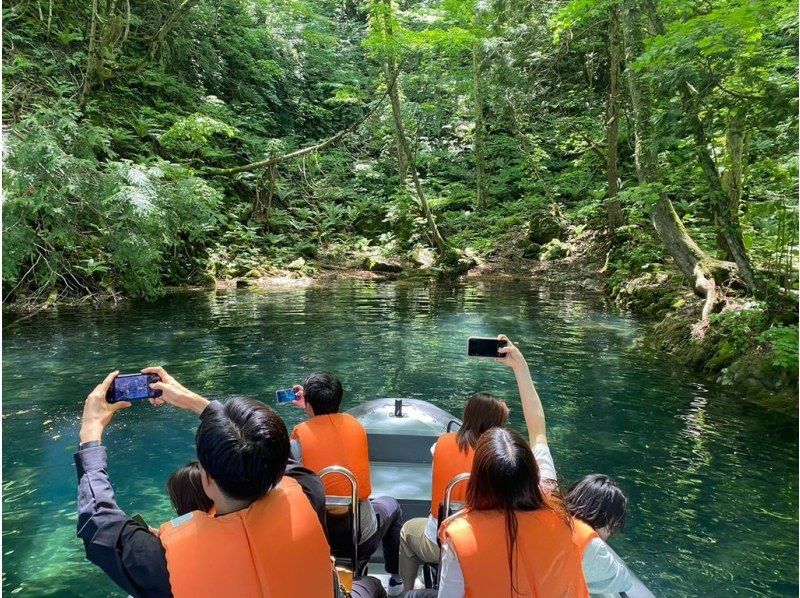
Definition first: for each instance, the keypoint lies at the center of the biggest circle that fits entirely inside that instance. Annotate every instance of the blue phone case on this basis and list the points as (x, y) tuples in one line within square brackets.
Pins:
[(285, 396)]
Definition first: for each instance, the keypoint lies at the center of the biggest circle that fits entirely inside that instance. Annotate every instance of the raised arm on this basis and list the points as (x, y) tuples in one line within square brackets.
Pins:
[(532, 408), (127, 552)]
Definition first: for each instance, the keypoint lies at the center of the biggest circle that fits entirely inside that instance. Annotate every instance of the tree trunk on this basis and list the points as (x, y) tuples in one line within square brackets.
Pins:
[(434, 235), (615, 216), (91, 58), (480, 132), (404, 148), (704, 272), (734, 159), (394, 99), (161, 34), (733, 175), (390, 68), (105, 33), (726, 220)]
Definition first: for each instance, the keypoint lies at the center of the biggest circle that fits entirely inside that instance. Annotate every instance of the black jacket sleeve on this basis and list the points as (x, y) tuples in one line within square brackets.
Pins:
[(127, 552)]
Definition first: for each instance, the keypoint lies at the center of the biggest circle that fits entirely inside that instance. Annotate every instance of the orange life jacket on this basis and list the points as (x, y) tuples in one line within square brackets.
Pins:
[(257, 551), (582, 534), (448, 462), (336, 439), (547, 563)]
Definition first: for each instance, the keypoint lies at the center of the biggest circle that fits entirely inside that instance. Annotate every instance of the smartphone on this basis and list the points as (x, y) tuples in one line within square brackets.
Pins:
[(140, 520), (285, 396), (133, 387), (484, 347)]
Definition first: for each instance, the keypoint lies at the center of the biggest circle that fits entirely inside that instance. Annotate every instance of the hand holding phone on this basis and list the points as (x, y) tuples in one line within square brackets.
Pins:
[(97, 412), (285, 396), (485, 347), (133, 387)]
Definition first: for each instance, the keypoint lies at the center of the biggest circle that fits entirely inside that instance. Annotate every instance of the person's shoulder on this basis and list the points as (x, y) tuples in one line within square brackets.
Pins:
[(458, 521), (354, 421), (597, 552), (300, 473), (299, 427)]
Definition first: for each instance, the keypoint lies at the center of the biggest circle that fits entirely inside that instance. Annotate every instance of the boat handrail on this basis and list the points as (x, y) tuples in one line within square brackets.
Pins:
[(450, 424), (348, 475), (462, 477)]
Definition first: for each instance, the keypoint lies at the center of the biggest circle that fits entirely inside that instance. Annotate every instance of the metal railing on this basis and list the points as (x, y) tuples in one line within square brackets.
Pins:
[(354, 505), (432, 575), (462, 477)]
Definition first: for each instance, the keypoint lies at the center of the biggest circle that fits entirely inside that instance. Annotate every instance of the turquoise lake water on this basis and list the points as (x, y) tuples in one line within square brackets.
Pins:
[(712, 479)]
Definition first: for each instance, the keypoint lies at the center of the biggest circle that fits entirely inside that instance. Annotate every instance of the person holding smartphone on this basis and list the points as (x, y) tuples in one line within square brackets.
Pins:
[(604, 571), (243, 451), (453, 453), (328, 438)]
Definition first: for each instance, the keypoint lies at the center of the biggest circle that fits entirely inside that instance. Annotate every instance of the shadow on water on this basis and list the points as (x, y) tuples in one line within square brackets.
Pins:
[(712, 479)]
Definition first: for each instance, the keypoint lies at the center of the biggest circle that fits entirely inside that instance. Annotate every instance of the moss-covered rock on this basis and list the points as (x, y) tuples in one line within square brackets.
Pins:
[(735, 349), (297, 264), (531, 250), (377, 264), (546, 224), (555, 250), (422, 257)]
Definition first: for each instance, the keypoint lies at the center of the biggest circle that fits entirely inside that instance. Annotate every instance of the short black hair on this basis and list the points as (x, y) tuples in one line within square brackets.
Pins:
[(243, 446), (323, 391), (598, 501)]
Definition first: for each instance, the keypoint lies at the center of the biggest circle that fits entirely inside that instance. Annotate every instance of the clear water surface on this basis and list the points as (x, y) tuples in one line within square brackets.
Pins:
[(712, 480)]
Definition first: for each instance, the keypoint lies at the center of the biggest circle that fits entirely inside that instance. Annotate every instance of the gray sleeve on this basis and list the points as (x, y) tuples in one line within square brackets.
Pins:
[(127, 552), (295, 451), (604, 571), (369, 522)]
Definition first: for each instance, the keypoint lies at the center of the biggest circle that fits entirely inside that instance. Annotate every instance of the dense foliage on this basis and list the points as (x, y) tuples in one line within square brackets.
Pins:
[(505, 130)]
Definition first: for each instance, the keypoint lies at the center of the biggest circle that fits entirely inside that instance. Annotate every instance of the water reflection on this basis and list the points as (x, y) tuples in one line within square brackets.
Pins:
[(710, 479)]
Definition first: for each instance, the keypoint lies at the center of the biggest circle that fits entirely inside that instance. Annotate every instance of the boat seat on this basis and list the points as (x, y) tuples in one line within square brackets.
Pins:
[(343, 522)]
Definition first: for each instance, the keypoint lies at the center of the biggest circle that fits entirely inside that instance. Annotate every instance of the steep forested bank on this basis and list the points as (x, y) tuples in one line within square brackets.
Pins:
[(172, 142)]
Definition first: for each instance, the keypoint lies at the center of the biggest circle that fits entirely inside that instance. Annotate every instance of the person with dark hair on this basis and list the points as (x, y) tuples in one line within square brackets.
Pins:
[(513, 538), (603, 569), (266, 522), (185, 489), (598, 507), (332, 438), (453, 454)]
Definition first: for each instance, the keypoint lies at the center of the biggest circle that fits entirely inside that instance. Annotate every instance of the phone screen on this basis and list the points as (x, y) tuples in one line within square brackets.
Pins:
[(285, 396), (484, 347), (132, 387)]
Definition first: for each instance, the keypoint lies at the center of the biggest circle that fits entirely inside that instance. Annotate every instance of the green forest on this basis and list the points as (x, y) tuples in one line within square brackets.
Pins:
[(651, 146)]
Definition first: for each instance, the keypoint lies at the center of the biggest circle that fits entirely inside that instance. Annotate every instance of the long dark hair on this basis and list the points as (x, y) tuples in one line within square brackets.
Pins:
[(185, 489), (598, 501), (505, 478), (483, 411)]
